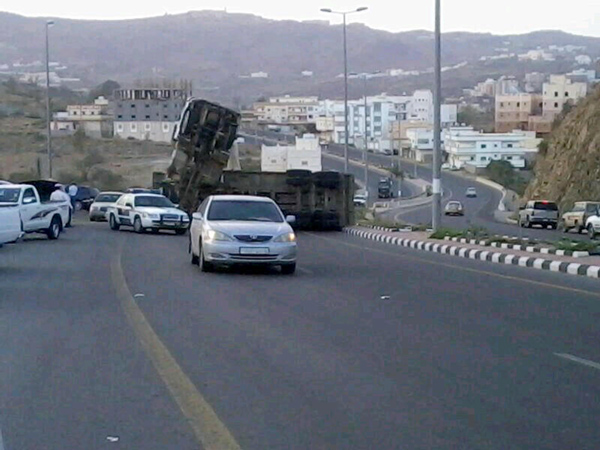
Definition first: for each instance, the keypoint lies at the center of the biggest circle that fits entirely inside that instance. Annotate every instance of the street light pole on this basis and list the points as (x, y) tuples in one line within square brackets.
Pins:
[(49, 23), (437, 129), (366, 139), (346, 126)]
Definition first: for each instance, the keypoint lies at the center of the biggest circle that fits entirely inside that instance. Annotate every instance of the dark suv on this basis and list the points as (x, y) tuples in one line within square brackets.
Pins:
[(84, 198)]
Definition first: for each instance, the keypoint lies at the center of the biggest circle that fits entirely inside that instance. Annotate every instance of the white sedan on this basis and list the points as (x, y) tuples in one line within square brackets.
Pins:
[(147, 212), (101, 204), (241, 229)]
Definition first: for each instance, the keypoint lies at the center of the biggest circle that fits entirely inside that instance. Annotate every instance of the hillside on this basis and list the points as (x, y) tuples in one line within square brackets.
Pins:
[(570, 169), (215, 49)]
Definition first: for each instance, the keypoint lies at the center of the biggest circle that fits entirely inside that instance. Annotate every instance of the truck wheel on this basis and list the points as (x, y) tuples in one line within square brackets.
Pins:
[(53, 232), (591, 232), (112, 222), (137, 225)]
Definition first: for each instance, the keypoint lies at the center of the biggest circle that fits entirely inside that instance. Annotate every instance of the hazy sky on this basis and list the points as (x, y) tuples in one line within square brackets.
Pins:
[(499, 16)]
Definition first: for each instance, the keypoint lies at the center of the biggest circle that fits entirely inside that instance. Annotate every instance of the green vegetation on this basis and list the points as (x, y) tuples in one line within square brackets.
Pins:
[(477, 119), (575, 246), (503, 173)]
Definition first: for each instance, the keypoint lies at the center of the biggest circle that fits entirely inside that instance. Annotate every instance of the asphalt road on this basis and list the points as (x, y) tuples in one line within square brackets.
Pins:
[(479, 212), (367, 346)]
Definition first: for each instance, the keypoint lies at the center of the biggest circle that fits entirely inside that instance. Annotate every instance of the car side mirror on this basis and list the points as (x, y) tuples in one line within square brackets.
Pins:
[(129, 205), (521, 208), (290, 219), (28, 200), (197, 216)]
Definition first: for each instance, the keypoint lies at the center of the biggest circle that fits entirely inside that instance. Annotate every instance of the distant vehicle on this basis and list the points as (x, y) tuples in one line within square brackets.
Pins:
[(578, 216), (593, 225), (445, 166), (138, 190), (35, 215), (471, 192), (360, 200), (241, 229), (10, 220), (101, 203), (385, 188), (84, 198), (2, 182), (539, 212), (147, 212), (454, 208)]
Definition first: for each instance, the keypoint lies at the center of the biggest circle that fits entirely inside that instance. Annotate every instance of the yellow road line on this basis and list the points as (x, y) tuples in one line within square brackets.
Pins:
[(466, 269), (208, 428)]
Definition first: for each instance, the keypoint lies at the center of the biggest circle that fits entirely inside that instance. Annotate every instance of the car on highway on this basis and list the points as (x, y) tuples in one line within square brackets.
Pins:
[(84, 198), (454, 208), (360, 200), (35, 215), (593, 225), (101, 204), (231, 230), (577, 218), (10, 220), (385, 188), (539, 212), (146, 212), (471, 192)]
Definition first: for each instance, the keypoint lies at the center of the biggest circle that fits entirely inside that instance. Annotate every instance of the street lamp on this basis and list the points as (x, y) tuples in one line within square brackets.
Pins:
[(436, 212), (344, 14), (49, 23)]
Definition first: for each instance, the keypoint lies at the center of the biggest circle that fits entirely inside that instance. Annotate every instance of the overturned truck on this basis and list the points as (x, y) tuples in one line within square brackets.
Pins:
[(203, 140)]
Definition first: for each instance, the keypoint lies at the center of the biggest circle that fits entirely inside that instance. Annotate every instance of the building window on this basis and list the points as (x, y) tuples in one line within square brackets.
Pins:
[(133, 127), (556, 104), (165, 127), (83, 113), (164, 105), (133, 116), (472, 158), (566, 94), (165, 116), (509, 158), (74, 113), (556, 94), (120, 116), (484, 158), (120, 127), (518, 104), (147, 105), (509, 145), (147, 127), (147, 116), (132, 105), (483, 145)]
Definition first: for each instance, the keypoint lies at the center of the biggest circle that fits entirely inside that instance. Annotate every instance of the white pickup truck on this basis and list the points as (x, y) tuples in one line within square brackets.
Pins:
[(35, 215)]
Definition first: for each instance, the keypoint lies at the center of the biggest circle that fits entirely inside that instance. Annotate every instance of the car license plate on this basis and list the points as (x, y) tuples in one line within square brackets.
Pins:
[(254, 251)]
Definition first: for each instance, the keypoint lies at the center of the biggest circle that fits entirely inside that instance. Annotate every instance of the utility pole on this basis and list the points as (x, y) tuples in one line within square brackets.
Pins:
[(437, 151), (49, 23), (366, 151), (346, 126)]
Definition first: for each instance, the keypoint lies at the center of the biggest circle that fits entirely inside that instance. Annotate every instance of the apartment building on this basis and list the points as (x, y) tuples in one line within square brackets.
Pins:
[(560, 90), (514, 110), (465, 146), (288, 110), (93, 119), (148, 113)]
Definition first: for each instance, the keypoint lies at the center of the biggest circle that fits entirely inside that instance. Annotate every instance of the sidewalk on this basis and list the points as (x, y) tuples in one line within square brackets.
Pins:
[(587, 266)]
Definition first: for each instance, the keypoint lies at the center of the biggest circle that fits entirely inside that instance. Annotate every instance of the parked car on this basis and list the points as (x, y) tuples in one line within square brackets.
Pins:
[(539, 212), (454, 208), (471, 192), (84, 198), (35, 215), (101, 203), (240, 229), (578, 216), (593, 225), (10, 220), (147, 212)]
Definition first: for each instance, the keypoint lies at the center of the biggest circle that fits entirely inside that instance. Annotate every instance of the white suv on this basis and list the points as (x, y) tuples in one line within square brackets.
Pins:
[(147, 212)]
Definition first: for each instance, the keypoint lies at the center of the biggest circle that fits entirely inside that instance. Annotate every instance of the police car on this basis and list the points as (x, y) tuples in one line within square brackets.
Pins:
[(146, 212)]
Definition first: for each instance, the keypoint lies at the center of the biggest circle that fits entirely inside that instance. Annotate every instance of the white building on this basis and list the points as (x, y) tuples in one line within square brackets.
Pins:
[(464, 146), (421, 144), (288, 110), (583, 60), (559, 91), (306, 155)]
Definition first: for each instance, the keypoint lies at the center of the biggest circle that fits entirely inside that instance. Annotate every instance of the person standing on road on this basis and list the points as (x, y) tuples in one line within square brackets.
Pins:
[(72, 191), (60, 195)]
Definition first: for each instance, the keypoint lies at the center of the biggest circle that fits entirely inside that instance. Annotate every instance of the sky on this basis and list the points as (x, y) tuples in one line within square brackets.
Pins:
[(497, 17)]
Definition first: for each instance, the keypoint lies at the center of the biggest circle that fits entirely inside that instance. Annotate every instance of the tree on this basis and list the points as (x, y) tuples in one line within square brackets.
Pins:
[(105, 90)]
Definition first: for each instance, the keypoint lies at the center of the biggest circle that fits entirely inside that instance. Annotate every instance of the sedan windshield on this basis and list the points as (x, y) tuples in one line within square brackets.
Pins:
[(9, 195), (244, 210), (108, 198), (155, 201)]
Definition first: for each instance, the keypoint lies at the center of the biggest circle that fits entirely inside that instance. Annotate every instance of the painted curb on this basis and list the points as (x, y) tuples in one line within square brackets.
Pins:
[(523, 248), (480, 255)]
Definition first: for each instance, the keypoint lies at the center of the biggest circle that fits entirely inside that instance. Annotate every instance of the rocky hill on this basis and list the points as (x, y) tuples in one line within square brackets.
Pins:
[(570, 169), (215, 49)]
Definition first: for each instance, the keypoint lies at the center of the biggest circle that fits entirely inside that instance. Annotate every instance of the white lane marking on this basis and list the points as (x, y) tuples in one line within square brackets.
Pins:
[(585, 362)]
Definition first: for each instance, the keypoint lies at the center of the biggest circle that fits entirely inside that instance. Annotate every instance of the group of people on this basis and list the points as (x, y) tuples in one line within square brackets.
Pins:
[(62, 193)]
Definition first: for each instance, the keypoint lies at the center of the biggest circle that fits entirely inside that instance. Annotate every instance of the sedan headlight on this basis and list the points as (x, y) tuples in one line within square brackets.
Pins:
[(151, 216), (287, 237), (214, 235)]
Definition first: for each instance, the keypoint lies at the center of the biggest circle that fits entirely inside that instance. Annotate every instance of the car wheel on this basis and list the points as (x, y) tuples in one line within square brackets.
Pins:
[(53, 231), (205, 266), (155, 231), (554, 226), (78, 206), (113, 223), (580, 229), (591, 232), (288, 269), (527, 223), (137, 225)]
